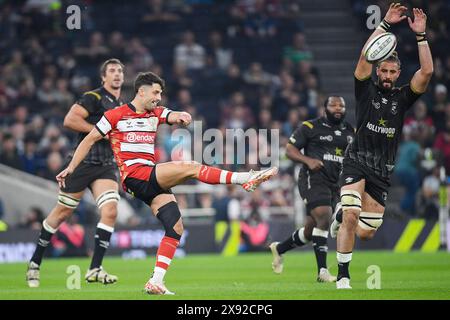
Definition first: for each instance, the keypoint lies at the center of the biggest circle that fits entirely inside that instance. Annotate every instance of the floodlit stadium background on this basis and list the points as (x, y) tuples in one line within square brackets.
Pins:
[(231, 64)]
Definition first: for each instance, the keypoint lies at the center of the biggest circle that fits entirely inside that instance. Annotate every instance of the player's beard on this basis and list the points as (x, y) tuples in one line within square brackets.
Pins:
[(334, 120), (382, 87)]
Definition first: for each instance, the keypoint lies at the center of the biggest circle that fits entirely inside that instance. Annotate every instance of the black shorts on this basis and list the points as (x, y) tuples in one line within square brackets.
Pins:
[(145, 190), (375, 186), (85, 174), (317, 191)]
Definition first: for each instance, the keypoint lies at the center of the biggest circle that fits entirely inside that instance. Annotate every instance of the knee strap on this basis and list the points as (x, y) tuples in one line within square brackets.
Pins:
[(350, 199), (370, 220), (68, 201), (106, 197), (169, 214)]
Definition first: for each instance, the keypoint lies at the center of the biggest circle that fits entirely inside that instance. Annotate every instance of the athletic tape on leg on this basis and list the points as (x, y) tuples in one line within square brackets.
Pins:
[(68, 201), (350, 199), (106, 197), (370, 220), (169, 214)]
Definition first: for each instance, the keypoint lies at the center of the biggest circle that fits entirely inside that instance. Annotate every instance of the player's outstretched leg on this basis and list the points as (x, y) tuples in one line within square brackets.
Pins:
[(299, 238), (168, 213), (107, 197), (173, 173), (67, 203)]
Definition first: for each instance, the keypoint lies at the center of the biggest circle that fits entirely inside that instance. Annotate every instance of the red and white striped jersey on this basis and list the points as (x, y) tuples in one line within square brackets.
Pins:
[(132, 136)]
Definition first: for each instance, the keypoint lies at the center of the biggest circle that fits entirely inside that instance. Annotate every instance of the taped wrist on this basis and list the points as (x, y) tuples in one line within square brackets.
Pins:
[(384, 25), (169, 214), (421, 37)]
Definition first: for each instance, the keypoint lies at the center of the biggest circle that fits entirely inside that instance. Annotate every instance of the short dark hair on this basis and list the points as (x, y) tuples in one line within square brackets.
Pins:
[(392, 58), (325, 103), (148, 78), (105, 65)]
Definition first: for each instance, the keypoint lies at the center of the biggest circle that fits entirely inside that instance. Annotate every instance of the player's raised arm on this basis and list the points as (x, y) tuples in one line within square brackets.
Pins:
[(394, 15), (80, 153), (422, 77), (180, 118)]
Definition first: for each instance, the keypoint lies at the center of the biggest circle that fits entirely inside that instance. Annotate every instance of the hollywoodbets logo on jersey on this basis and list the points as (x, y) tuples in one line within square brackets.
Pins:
[(381, 128), (337, 157)]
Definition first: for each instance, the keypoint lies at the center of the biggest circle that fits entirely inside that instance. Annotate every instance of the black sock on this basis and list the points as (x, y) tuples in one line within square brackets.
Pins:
[(42, 244), (291, 242), (102, 238), (320, 247), (343, 264)]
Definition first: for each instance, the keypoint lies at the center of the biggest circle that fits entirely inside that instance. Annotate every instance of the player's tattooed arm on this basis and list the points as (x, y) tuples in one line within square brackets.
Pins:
[(394, 15), (421, 78), (80, 153), (180, 118)]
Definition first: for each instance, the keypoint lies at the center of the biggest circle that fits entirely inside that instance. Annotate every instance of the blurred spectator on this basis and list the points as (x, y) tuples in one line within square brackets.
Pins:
[(258, 23), (254, 232), (298, 51), (32, 219), (442, 143), (189, 54), (428, 203), (54, 166), (30, 158), (9, 155), (421, 123), (69, 240), (406, 170), (221, 56)]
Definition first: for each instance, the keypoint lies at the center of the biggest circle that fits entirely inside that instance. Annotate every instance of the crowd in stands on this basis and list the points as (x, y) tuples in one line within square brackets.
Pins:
[(232, 64)]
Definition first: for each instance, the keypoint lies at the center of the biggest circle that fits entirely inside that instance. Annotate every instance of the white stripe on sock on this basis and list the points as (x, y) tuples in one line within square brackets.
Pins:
[(164, 259), (48, 227), (105, 227), (344, 257), (301, 235), (223, 176), (320, 233)]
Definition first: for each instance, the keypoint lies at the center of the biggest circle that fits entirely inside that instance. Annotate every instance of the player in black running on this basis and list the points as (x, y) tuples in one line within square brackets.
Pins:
[(324, 141), (98, 172), (370, 159)]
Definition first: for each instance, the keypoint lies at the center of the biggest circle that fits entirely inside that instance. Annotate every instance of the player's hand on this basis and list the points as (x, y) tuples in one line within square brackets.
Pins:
[(106, 137), (314, 164), (61, 177), (420, 21), (395, 13), (184, 119)]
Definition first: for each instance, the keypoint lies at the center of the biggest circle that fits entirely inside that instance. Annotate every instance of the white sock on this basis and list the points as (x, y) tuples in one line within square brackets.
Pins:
[(158, 275), (344, 257), (240, 177)]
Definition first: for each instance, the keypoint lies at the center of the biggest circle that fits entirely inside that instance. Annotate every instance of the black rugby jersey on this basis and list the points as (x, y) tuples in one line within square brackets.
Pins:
[(96, 102), (323, 141), (379, 115)]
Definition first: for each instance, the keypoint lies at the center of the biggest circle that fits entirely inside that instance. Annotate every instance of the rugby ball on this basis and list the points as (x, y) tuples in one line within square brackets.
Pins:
[(380, 47)]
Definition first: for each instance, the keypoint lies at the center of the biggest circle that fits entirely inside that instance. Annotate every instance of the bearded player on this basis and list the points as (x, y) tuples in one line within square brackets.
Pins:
[(323, 141), (370, 159)]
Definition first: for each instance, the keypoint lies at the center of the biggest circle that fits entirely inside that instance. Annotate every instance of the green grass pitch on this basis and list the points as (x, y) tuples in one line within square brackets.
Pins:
[(412, 275)]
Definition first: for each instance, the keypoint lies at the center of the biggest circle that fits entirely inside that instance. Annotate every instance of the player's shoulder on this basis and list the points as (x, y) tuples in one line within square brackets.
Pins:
[(311, 123), (95, 93), (122, 109)]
